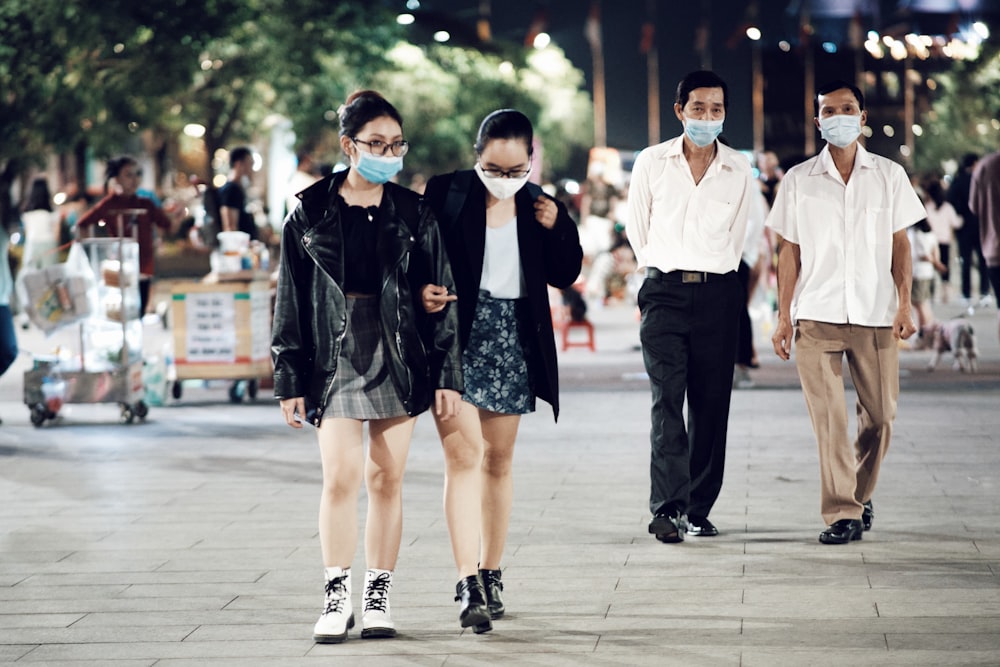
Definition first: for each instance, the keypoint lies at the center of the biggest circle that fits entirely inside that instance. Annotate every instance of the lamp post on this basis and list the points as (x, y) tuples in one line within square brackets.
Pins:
[(805, 30), (593, 34), (652, 74), (757, 96)]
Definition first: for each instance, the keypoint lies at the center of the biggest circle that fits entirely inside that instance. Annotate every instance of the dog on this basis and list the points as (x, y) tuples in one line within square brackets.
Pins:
[(955, 336)]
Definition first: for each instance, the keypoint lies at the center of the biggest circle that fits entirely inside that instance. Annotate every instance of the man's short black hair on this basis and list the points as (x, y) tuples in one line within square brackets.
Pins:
[(837, 84), (239, 154), (701, 79)]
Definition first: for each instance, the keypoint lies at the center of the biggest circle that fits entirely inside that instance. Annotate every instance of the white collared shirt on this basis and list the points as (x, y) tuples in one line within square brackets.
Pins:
[(674, 223), (844, 234)]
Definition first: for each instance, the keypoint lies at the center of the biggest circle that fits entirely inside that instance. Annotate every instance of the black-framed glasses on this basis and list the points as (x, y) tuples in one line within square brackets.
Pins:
[(505, 173), (378, 147)]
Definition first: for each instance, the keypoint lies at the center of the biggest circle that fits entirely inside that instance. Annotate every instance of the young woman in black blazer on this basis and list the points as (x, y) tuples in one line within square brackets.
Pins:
[(506, 242)]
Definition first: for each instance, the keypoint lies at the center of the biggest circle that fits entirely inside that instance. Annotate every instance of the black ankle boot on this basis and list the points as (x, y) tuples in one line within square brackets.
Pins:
[(494, 590), (472, 600)]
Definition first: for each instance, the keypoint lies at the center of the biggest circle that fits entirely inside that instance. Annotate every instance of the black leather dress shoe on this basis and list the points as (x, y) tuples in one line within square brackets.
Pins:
[(700, 526), (867, 516), (842, 532), (668, 527)]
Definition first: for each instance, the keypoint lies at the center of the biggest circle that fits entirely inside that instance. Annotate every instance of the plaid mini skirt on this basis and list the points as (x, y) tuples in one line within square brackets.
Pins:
[(362, 387), (496, 362)]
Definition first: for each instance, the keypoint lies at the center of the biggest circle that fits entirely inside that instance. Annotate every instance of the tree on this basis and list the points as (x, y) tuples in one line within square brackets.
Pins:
[(444, 92), (963, 117), (289, 58), (76, 75), (29, 83)]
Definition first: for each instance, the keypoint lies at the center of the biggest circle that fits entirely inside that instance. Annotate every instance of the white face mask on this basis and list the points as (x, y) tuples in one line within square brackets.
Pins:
[(501, 188), (840, 130)]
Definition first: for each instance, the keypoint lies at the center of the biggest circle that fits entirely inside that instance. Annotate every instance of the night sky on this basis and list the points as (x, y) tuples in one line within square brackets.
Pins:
[(729, 54), (625, 65)]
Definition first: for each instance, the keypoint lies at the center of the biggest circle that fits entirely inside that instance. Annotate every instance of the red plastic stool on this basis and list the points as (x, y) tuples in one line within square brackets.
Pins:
[(586, 326)]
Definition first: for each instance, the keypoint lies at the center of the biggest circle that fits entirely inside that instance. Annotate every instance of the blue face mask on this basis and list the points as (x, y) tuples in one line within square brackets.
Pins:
[(378, 169), (702, 132), (840, 130)]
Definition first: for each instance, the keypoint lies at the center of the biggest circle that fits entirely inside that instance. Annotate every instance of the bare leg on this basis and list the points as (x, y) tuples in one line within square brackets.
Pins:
[(389, 444), (499, 433), (462, 441), (342, 452)]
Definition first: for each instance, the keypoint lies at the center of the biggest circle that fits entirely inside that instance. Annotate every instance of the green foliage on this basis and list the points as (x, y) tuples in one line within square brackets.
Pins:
[(965, 116), (102, 78), (444, 92)]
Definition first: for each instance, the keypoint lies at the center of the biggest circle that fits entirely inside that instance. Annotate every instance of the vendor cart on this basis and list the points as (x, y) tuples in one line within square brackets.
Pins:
[(107, 368), (222, 331)]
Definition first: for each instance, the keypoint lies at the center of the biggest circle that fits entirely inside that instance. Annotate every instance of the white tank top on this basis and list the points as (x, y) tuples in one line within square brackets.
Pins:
[(502, 262)]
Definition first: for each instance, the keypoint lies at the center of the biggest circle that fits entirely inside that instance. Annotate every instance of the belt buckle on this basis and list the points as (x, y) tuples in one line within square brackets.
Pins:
[(692, 277)]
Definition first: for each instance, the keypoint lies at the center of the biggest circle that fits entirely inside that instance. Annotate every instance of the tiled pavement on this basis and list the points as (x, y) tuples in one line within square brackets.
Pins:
[(191, 539)]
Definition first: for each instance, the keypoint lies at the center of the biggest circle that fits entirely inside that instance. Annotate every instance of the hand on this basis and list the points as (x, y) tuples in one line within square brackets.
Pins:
[(435, 298), (902, 325), (782, 339), (447, 403), (292, 408), (546, 212)]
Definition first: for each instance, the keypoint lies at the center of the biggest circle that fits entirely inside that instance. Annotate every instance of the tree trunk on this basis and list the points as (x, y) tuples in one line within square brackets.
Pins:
[(80, 166), (8, 212)]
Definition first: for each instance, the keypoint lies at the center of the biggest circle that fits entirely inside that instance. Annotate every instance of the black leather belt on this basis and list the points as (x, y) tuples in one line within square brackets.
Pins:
[(654, 273)]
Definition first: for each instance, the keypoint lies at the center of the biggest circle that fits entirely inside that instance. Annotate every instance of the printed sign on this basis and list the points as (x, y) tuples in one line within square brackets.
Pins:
[(211, 327)]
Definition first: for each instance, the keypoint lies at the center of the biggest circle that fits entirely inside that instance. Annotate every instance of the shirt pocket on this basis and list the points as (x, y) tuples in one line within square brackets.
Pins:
[(715, 219), (877, 229)]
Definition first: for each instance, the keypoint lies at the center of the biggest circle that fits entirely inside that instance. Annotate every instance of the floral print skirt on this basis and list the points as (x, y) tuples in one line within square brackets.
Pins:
[(497, 362)]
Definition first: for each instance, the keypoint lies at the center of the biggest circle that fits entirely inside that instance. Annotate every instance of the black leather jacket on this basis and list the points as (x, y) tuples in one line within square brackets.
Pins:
[(310, 319)]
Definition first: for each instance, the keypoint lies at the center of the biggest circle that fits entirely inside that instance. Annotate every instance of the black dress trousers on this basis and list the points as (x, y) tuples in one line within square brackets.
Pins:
[(689, 330)]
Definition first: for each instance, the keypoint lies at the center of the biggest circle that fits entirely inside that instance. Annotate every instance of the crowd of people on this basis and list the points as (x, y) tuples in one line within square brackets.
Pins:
[(390, 303)]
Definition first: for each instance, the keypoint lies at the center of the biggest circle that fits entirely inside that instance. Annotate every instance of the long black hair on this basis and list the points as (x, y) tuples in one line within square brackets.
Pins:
[(504, 124), (935, 190), (39, 198), (361, 108)]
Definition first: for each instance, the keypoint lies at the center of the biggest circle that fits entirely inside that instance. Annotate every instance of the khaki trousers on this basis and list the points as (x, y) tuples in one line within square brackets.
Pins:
[(848, 475)]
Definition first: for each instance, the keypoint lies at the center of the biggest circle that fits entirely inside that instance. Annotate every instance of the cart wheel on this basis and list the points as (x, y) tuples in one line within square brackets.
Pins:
[(177, 389), (127, 416), (38, 415), (236, 392), (141, 409), (252, 389)]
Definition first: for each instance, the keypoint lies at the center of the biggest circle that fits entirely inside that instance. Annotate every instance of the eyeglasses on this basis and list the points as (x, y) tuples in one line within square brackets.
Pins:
[(377, 147), (505, 173)]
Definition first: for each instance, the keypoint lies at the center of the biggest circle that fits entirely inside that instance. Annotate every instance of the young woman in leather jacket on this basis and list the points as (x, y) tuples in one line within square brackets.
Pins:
[(507, 242), (351, 343)]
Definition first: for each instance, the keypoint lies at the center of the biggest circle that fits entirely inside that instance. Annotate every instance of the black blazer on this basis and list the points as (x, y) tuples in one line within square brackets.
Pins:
[(548, 257)]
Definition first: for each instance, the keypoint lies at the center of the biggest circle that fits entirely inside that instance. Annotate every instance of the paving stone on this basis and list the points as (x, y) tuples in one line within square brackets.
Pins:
[(191, 539)]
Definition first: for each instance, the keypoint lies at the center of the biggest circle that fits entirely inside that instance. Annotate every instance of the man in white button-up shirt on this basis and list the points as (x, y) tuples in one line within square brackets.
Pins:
[(688, 204), (844, 272)]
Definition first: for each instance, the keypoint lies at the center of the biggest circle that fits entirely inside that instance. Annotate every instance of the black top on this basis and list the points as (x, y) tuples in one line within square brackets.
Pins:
[(232, 195), (361, 268)]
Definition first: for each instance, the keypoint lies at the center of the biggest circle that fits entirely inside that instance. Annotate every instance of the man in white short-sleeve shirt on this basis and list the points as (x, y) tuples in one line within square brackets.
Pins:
[(688, 203), (844, 272)]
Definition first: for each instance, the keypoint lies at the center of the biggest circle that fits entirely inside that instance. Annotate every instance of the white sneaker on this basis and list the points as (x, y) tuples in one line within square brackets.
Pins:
[(375, 620), (337, 617)]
